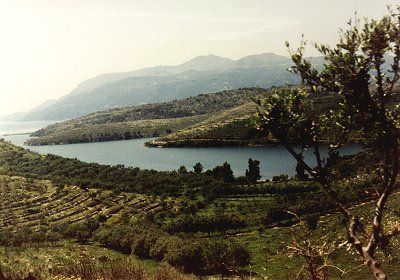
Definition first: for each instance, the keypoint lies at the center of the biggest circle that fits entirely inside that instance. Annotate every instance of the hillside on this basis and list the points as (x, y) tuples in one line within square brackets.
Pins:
[(232, 127), (150, 120), (52, 205), (229, 127), (216, 119), (38, 204), (166, 83)]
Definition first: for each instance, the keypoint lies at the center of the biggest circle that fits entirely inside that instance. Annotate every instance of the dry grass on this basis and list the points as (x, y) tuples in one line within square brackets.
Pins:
[(87, 268)]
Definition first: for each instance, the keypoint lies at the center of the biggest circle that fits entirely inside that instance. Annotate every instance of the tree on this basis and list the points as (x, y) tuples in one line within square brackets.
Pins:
[(182, 170), (198, 168), (253, 173), (356, 71), (301, 171), (224, 172)]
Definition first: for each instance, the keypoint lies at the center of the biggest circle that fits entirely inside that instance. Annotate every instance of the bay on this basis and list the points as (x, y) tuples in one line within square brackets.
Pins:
[(273, 160)]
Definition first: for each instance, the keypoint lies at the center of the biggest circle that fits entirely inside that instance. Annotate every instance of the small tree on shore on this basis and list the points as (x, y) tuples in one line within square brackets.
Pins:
[(224, 172), (253, 173), (182, 169), (356, 70), (198, 168)]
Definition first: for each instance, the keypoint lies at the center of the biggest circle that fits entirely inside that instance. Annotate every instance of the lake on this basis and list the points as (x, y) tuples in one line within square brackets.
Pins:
[(274, 160)]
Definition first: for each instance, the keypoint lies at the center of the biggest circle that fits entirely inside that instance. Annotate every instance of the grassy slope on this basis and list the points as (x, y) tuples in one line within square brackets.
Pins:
[(115, 131), (44, 206), (216, 119), (229, 127), (268, 249), (28, 204)]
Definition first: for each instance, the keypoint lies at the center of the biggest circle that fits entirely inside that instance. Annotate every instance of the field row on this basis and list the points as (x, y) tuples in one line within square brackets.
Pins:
[(46, 206)]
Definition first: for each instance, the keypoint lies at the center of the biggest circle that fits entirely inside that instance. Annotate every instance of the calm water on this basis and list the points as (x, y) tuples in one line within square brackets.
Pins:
[(274, 160), (22, 127)]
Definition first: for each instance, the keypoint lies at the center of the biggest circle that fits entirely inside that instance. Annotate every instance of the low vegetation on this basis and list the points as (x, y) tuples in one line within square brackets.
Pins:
[(150, 120), (217, 119), (114, 131), (234, 127)]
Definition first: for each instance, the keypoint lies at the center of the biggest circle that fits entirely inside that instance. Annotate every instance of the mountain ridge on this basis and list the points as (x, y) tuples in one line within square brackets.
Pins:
[(202, 74)]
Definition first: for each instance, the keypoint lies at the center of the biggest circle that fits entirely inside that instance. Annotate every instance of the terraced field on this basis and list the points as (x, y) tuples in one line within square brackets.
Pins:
[(33, 204)]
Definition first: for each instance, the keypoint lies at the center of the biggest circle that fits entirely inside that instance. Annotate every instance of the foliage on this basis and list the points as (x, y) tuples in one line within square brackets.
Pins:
[(223, 172), (198, 168), (17, 161), (355, 70), (253, 173)]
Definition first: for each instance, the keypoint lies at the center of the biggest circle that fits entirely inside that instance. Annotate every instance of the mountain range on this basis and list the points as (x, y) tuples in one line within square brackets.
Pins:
[(199, 75)]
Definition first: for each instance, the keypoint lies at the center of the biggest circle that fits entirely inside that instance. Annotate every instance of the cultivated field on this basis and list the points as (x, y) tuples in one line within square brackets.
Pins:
[(37, 204)]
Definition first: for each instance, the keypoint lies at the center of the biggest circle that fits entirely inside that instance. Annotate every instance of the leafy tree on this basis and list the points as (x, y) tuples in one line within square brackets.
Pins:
[(356, 70), (224, 172), (253, 173), (182, 170), (198, 168), (221, 256), (185, 254)]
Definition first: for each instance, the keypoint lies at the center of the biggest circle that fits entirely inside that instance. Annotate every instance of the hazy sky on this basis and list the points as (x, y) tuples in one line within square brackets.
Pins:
[(48, 47)]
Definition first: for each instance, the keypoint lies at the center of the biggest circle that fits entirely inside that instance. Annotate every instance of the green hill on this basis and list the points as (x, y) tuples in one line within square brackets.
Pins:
[(232, 127), (215, 119), (150, 120), (227, 128)]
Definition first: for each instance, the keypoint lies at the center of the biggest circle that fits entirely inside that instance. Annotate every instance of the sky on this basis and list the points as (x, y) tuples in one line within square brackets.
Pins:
[(47, 47)]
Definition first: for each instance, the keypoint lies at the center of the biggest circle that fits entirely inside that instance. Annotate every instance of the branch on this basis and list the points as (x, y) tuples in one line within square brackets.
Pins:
[(380, 205), (318, 155)]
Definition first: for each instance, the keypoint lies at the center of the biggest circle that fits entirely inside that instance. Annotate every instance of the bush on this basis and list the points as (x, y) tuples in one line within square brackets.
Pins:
[(280, 178), (185, 254), (221, 256)]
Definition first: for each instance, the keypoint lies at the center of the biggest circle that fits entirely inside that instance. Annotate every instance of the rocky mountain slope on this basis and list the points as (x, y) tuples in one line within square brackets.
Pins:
[(166, 83)]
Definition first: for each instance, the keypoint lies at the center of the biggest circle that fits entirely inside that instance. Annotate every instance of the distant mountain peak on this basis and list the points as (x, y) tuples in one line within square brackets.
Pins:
[(208, 62), (201, 74), (263, 59)]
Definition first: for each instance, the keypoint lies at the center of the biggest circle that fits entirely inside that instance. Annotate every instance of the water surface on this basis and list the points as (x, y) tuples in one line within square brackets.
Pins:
[(274, 160), (22, 127)]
